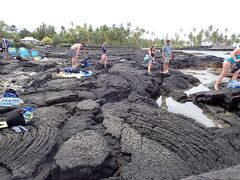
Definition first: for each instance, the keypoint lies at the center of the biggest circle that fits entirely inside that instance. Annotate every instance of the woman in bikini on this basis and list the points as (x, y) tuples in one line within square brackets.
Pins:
[(227, 63)]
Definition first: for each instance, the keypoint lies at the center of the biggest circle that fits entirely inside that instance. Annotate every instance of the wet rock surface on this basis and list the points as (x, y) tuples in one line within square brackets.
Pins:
[(108, 126)]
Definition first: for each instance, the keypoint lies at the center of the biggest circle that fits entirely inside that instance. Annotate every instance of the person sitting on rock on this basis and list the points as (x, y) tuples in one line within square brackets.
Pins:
[(74, 51), (227, 64), (151, 53), (104, 57)]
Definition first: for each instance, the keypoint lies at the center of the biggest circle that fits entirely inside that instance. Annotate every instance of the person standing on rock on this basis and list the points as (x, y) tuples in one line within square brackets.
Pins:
[(167, 56), (73, 53), (227, 64), (104, 57), (151, 54), (5, 44)]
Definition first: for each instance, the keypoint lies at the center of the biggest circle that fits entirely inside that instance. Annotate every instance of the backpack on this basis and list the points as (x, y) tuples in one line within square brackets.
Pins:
[(146, 58), (15, 118), (20, 116)]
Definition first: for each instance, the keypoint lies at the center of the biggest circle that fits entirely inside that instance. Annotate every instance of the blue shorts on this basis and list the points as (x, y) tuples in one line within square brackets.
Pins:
[(231, 60)]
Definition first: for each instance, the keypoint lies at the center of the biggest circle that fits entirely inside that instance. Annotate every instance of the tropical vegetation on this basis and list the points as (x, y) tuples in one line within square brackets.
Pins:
[(118, 35)]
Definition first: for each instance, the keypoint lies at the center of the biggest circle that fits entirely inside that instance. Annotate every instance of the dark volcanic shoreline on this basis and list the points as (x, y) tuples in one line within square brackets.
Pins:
[(108, 126)]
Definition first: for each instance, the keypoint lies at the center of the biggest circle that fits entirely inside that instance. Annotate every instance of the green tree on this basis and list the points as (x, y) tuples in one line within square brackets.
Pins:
[(24, 33), (3, 29), (199, 38), (43, 30), (56, 40)]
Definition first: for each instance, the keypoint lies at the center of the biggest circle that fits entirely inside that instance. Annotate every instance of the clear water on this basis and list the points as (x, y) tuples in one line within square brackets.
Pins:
[(189, 109), (222, 54), (205, 76)]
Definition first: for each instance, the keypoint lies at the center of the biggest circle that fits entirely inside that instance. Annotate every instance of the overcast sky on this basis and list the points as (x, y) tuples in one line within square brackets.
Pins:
[(158, 16)]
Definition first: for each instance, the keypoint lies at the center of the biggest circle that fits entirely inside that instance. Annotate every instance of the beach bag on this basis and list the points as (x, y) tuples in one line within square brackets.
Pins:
[(146, 58), (20, 116), (15, 118)]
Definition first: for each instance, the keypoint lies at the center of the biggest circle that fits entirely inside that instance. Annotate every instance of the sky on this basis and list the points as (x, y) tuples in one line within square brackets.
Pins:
[(159, 16)]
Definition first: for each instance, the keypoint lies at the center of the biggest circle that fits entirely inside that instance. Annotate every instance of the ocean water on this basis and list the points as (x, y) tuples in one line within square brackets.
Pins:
[(222, 54)]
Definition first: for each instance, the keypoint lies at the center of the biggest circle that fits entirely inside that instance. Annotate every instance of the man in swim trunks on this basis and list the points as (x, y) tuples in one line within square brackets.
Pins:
[(167, 56), (227, 63), (73, 53)]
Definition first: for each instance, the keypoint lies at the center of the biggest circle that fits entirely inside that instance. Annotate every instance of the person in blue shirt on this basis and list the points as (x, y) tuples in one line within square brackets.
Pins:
[(167, 56), (227, 64), (5, 44)]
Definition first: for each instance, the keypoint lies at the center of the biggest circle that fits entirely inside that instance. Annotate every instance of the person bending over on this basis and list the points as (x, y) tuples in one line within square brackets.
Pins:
[(73, 53), (151, 53), (227, 64)]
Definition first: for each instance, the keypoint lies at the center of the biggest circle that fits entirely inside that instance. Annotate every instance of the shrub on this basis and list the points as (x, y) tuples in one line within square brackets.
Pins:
[(47, 41), (29, 45)]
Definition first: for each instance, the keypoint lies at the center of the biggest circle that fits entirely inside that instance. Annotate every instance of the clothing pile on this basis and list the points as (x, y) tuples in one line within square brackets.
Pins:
[(10, 98), (233, 84)]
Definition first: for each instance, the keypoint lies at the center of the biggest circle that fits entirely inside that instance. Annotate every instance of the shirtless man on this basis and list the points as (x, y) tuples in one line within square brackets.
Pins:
[(73, 53)]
